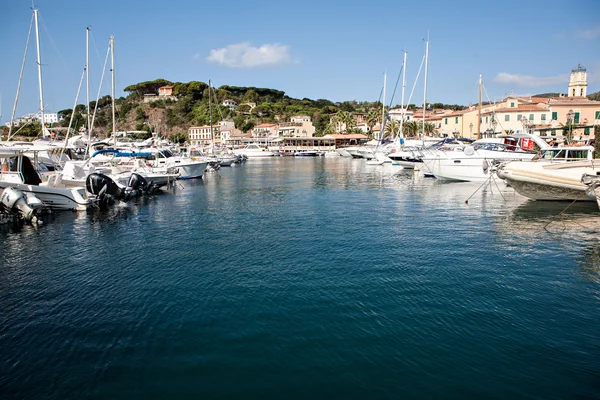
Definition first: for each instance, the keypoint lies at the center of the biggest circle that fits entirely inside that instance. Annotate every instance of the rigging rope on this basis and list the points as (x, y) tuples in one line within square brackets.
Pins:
[(12, 118), (98, 95)]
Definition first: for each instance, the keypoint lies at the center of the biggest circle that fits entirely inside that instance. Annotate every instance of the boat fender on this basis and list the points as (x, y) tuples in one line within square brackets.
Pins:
[(486, 166)]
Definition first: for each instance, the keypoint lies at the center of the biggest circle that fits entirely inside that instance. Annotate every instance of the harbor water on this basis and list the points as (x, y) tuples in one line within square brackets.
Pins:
[(305, 278)]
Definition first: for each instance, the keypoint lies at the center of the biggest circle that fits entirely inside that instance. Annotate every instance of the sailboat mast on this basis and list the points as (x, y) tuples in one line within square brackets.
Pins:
[(383, 106), (87, 82), (403, 87), (212, 138), (39, 64), (479, 111), (425, 88), (112, 90)]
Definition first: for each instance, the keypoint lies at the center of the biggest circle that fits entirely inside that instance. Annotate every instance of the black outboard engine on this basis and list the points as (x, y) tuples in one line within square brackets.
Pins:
[(136, 186), (104, 188)]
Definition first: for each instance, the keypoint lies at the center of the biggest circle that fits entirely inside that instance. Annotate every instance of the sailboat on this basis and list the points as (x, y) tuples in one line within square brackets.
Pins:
[(475, 163), (18, 171)]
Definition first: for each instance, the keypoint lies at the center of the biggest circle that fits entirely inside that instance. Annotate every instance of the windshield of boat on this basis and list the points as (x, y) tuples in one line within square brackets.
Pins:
[(565, 154), (166, 153), (496, 147)]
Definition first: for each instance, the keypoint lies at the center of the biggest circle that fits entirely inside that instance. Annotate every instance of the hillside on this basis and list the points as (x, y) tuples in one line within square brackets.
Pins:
[(189, 106), (594, 96)]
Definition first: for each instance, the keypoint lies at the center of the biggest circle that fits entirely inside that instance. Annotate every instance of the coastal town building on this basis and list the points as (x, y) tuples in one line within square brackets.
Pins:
[(200, 136), (231, 104), (578, 82), (164, 93), (265, 130), (227, 131), (49, 118), (299, 126), (397, 114)]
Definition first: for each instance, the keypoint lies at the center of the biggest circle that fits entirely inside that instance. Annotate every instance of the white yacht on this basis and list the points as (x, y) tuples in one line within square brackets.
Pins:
[(554, 175), (188, 168), (474, 163), (254, 151), (19, 172)]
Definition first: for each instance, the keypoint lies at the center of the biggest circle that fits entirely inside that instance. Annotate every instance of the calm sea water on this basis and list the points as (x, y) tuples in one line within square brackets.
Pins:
[(305, 278)]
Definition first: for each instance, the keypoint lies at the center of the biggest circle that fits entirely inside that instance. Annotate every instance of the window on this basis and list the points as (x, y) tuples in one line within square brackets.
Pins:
[(531, 117), (446, 121), (543, 117), (553, 132), (576, 118), (573, 92), (581, 93), (586, 131), (507, 117), (486, 120), (512, 105), (554, 115), (597, 115), (519, 116), (456, 120)]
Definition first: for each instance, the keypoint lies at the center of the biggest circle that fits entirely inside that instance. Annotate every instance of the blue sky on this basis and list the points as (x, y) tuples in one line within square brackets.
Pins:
[(316, 49)]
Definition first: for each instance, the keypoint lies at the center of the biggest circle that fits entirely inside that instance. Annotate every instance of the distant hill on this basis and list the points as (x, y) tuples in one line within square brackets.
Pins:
[(594, 96), (547, 95)]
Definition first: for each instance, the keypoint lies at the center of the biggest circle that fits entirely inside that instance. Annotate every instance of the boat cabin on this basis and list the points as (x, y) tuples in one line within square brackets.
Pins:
[(568, 153)]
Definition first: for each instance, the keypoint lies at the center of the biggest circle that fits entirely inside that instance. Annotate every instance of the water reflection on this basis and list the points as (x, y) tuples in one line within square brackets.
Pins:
[(589, 262)]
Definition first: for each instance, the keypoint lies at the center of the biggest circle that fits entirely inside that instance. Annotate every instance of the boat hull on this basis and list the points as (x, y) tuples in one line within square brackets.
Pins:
[(548, 181), (55, 198)]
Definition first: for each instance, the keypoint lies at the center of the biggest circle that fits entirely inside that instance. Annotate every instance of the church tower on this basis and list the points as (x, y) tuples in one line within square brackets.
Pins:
[(578, 82)]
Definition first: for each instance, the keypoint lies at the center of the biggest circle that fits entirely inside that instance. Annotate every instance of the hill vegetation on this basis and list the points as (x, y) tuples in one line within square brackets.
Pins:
[(190, 107), (594, 96)]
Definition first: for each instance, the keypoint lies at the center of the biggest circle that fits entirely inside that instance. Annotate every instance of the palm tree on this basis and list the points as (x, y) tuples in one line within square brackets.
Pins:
[(392, 127), (429, 128), (347, 119), (373, 117), (411, 128)]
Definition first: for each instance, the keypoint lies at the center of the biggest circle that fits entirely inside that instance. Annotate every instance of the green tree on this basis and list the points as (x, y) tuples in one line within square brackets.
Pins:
[(373, 117), (429, 128), (411, 128), (392, 128), (248, 126)]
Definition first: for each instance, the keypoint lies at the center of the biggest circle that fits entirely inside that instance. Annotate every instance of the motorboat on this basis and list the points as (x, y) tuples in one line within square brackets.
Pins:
[(18, 171), (555, 174), (306, 153), (473, 163), (254, 151), (188, 168)]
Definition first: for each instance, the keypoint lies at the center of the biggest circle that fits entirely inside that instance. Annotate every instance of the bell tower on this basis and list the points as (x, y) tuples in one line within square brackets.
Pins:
[(578, 82)]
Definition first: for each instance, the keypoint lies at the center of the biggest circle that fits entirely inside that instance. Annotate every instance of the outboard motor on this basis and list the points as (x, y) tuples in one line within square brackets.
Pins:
[(137, 186), (104, 188), (25, 205)]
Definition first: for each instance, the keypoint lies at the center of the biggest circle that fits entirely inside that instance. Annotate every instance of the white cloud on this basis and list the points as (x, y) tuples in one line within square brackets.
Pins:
[(589, 33), (530, 81), (244, 55)]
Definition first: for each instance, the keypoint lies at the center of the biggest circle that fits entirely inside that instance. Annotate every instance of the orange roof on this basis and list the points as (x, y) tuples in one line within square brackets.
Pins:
[(265, 125), (520, 108)]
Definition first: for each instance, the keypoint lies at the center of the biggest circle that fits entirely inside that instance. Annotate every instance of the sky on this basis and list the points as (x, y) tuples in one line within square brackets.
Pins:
[(312, 49)]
